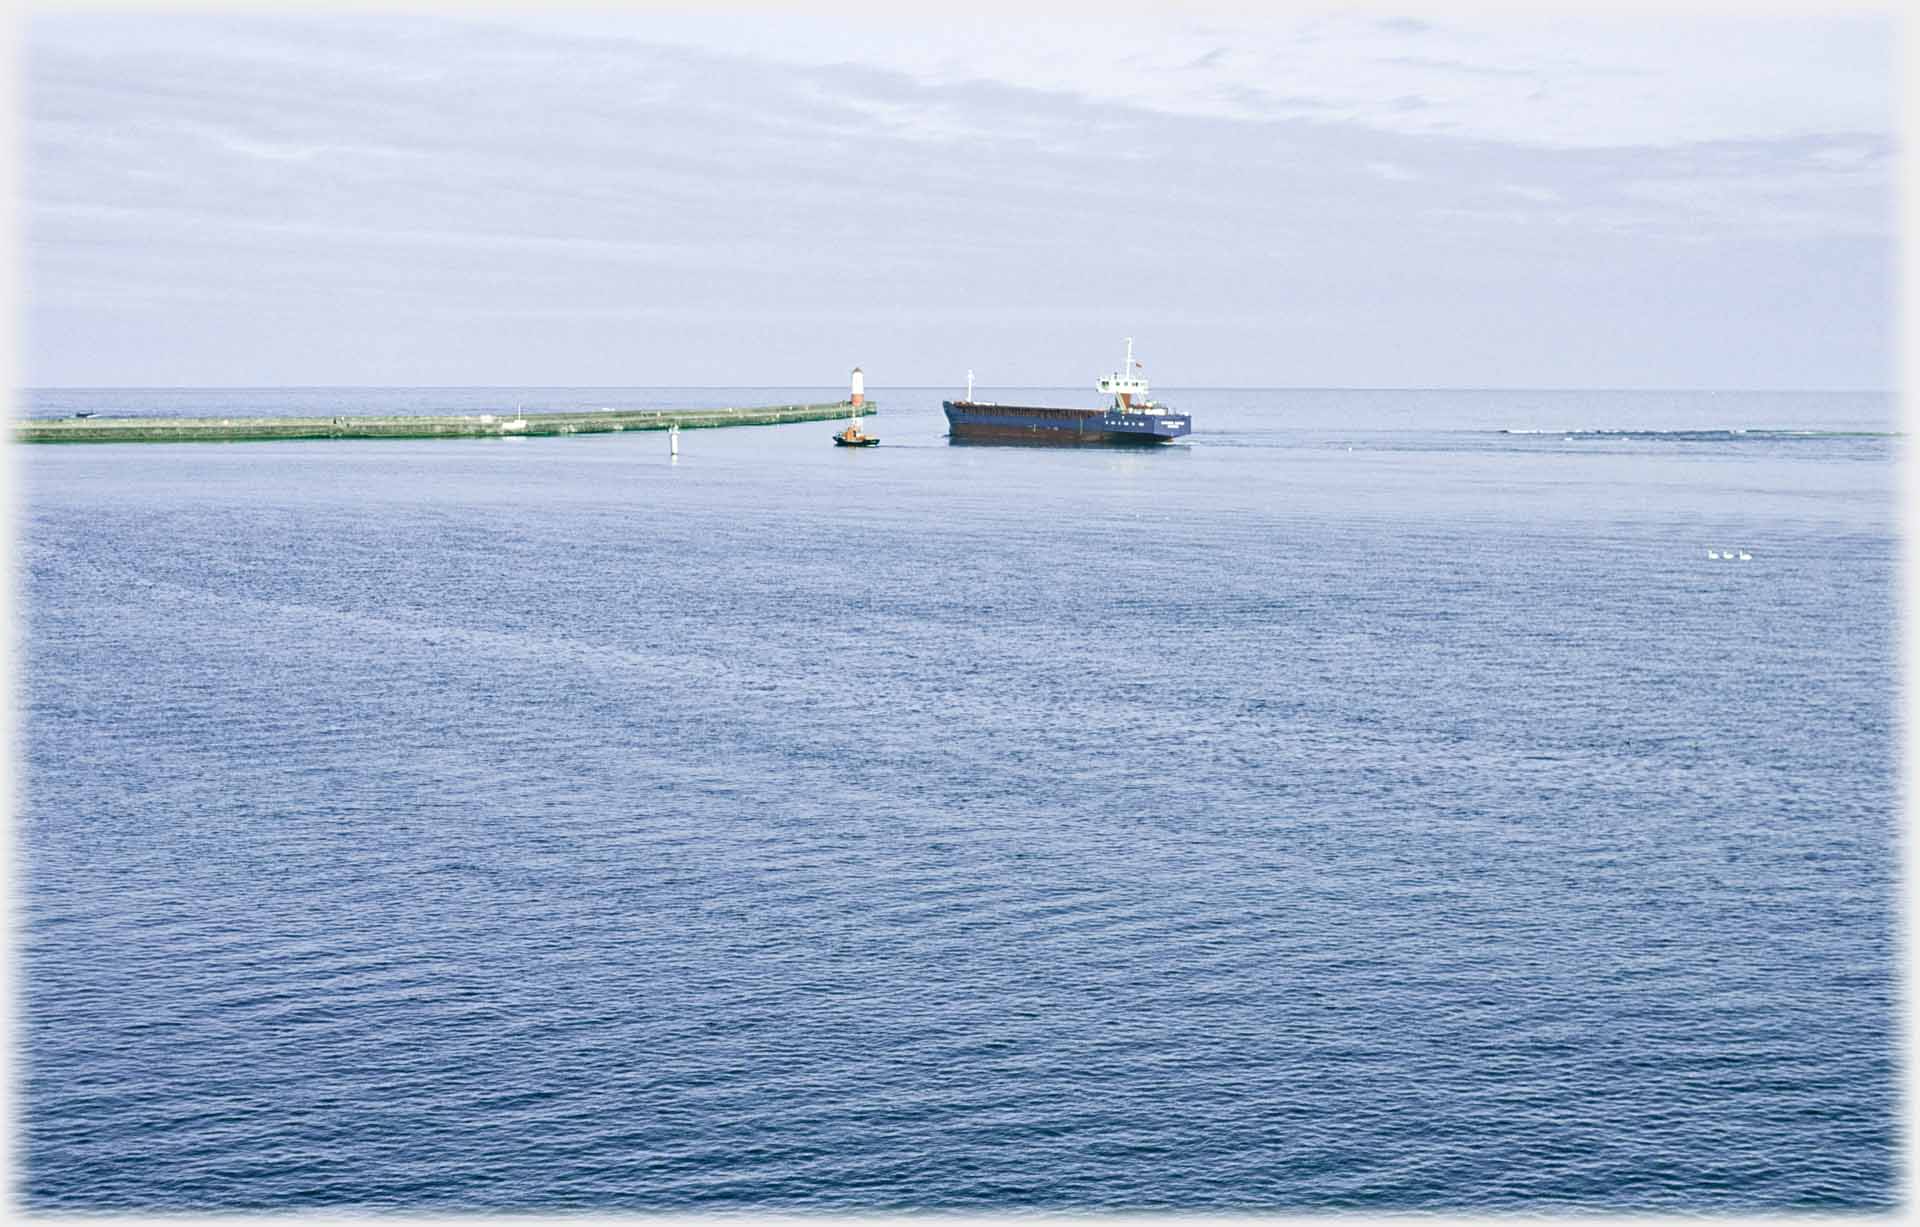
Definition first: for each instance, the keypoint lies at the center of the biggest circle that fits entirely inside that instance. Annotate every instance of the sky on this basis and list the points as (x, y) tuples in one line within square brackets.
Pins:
[(1417, 197)]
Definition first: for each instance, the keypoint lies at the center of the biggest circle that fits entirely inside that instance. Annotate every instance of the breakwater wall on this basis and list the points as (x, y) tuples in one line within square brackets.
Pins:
[(465, 426)]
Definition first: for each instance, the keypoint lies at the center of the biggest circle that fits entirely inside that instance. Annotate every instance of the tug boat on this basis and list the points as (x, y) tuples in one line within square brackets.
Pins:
[(1131, 418), (852, 436)]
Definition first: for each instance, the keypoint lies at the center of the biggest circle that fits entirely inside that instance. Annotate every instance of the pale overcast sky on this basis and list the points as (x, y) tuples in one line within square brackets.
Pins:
[(1333, 198)]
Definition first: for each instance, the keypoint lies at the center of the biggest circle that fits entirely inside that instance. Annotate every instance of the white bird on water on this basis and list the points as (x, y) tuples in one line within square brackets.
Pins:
[(1745, 557), (1713, 555)]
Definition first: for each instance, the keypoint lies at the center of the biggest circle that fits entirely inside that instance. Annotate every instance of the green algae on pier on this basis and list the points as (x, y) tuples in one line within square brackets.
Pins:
[(471, 425)]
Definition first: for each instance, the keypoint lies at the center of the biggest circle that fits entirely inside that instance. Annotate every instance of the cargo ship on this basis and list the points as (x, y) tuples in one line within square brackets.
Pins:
[(1131, 418)]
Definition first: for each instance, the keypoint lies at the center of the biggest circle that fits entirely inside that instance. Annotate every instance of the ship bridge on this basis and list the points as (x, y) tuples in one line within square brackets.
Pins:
[(1128, 389)]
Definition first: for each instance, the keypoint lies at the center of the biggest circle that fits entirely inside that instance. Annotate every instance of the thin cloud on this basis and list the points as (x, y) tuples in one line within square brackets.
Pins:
[(466, 172), (1464, 67), (1391, 172)]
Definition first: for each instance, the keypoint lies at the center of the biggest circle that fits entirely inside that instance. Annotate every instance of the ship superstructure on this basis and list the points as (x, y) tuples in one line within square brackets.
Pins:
[(1131, 418)]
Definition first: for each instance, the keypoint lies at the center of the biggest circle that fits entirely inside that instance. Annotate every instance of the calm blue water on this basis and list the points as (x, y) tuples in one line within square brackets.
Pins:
[(1355, 807)]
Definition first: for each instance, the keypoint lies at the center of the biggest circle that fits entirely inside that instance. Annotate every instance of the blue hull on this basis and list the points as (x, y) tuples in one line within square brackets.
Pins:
[(971, 421)]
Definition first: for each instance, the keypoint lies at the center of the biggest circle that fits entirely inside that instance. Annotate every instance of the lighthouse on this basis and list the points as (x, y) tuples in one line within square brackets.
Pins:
[(859, 387)]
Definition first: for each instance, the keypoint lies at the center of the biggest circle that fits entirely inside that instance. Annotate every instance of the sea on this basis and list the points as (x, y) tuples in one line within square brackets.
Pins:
[(1458, 801)]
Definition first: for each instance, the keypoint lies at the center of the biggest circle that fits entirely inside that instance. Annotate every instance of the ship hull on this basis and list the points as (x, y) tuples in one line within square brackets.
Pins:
[(973, 422)]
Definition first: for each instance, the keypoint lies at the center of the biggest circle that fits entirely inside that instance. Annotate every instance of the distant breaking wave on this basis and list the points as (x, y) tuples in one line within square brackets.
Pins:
[(1710, 436)]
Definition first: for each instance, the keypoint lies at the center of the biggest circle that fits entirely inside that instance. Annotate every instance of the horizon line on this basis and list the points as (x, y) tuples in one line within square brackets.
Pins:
[(911, 387)]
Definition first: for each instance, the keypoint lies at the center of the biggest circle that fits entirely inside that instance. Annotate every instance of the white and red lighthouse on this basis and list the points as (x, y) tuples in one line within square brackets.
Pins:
[(859, 387)]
